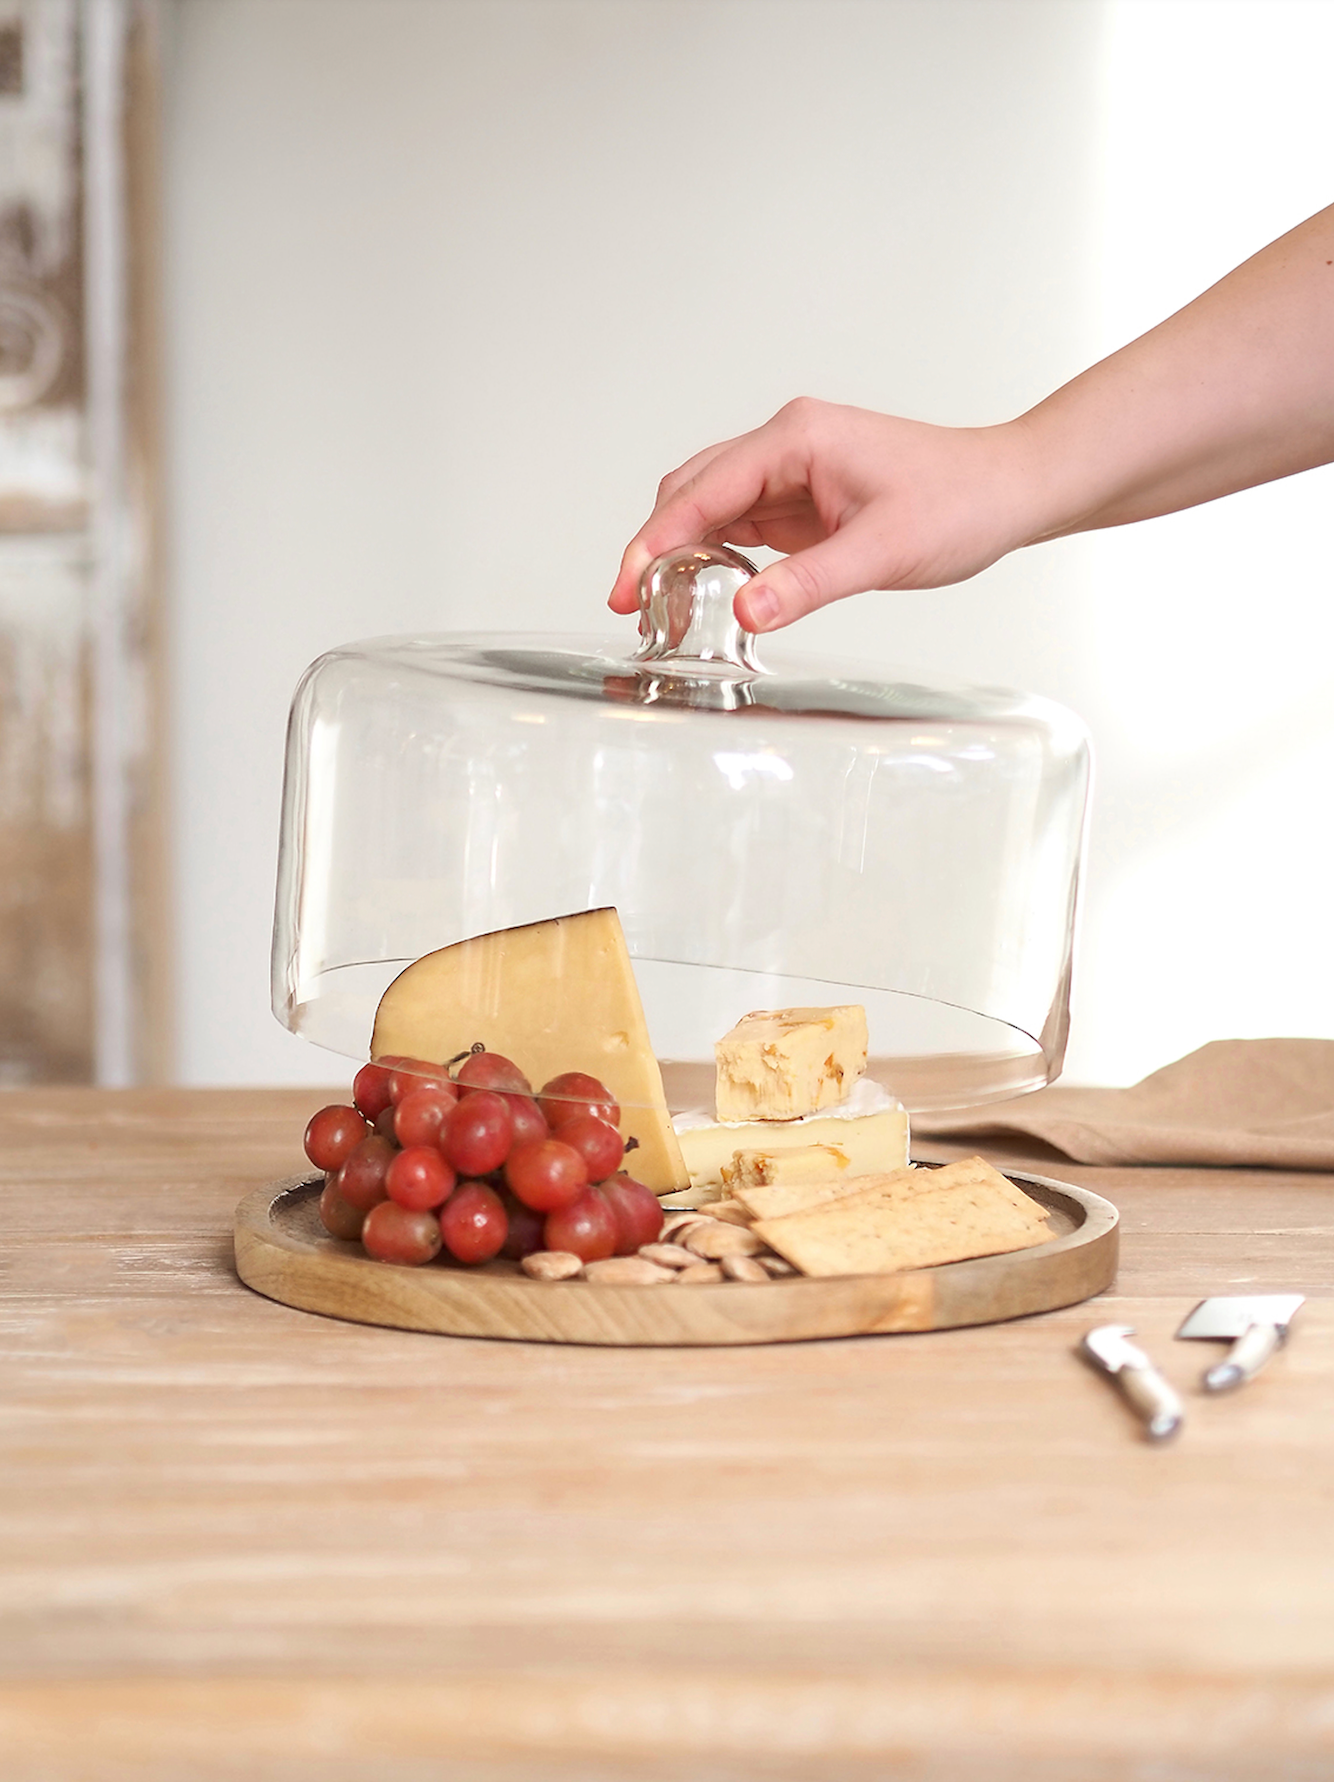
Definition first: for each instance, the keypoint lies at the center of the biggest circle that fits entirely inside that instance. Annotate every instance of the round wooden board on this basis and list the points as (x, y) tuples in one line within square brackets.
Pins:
[(283, 1251)]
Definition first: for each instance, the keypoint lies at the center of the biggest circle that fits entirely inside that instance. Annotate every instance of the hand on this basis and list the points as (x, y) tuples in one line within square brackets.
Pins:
[(1234, 390), (860, 500)]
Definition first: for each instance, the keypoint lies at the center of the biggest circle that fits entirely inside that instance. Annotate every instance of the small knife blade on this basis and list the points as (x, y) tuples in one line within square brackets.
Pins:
[(1256, 1325), (1108, 1349)]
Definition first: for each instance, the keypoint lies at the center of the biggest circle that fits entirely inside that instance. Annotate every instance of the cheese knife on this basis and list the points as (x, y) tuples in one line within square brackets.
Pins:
[(1139, 1381), (1256, 1327)]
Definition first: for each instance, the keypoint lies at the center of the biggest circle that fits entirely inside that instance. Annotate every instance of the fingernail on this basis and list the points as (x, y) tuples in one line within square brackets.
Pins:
[(762, 605)]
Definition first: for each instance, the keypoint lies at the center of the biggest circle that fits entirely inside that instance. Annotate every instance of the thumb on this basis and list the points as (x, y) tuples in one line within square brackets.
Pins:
[(836, 567)]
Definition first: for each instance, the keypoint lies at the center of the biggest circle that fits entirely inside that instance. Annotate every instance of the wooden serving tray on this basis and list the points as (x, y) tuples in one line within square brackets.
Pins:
[(283, 1251)]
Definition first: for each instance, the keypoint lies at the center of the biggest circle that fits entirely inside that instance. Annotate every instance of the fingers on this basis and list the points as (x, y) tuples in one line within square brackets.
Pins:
[(847, 562), (691, 468), (696, 504), (800, 483)]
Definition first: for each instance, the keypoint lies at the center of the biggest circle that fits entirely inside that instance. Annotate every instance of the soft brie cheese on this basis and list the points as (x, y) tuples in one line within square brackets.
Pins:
[(781, 1064), (870, 1129), (803, 1163)]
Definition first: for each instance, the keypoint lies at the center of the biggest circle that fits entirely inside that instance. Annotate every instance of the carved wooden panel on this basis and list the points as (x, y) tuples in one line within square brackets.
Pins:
[(82, 992)]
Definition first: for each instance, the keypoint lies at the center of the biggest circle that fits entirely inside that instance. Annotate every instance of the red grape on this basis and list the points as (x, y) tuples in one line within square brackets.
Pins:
[(332, 1134), (600, 1145), (370, 1086), (338, 1216), (411, 1074), (529, 1123), (525, 1229), (393, 1233), (573, 1093), (636, 1210), (473, 1223), (546, 1174), (587, 1227), (490, 1070), (384, 1123), (476, 1137), (361, 1179), (422, 1112), (419, 1178)]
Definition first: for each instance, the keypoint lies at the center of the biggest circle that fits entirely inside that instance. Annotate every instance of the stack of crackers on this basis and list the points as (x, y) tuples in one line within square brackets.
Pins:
[(878, 1224)]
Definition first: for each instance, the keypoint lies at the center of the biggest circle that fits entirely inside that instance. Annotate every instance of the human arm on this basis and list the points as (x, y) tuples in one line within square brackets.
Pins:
[(1235, 389)]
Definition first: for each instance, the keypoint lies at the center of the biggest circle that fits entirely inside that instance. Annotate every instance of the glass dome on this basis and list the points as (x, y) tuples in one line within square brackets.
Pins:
[(775, 833)]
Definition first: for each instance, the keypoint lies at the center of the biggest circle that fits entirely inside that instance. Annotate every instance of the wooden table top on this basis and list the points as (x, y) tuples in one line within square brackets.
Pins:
[(242, 1540)]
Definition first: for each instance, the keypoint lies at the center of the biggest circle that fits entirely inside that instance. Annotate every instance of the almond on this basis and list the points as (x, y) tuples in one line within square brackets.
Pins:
[(627, 1271), (677, 1223), (699, 1273), (668, 1255), (714, 1240), (552, 1265), (775, 1265), (744, 1268)]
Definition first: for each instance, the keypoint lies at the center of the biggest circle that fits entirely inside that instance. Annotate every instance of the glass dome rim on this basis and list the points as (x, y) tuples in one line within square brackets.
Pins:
[(298, 1016), (405, 652)]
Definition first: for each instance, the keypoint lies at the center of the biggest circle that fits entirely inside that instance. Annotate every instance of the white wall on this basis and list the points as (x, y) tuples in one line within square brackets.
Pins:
[(1208, 673), (452, 282)]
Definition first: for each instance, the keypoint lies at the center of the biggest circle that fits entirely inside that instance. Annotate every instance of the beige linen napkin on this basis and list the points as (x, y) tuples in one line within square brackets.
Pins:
[(1234, 1102)]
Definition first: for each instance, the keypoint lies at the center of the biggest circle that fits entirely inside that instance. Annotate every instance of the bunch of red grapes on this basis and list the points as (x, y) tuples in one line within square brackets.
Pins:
[(477, 1165)]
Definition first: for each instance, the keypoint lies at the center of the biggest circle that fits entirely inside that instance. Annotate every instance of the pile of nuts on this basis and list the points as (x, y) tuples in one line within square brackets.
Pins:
[(693, 1248)]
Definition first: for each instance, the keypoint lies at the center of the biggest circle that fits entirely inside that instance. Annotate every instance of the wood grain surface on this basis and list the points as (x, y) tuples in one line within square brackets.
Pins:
[(283, 1251), (239, 1540)]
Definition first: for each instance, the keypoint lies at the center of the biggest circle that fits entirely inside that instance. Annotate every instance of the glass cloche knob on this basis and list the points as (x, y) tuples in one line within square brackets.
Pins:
[(685, 608)]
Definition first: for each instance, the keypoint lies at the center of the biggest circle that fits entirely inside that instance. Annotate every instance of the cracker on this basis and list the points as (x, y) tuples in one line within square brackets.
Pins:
[(909, 1219), (774, 1202), (976, 1171)]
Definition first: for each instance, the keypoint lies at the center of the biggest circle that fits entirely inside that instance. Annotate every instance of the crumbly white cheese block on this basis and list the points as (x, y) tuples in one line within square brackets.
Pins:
[(870, 1129), (781, 1064), (552, 996)]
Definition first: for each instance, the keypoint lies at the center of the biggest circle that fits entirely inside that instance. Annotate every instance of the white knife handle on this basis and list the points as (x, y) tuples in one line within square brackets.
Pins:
[(1153, 1399), (1245, 1358)]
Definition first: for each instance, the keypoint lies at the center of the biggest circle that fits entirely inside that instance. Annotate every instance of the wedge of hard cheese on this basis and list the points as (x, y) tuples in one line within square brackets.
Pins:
[(909, 1219), (552, 996)]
